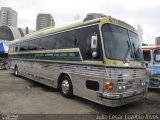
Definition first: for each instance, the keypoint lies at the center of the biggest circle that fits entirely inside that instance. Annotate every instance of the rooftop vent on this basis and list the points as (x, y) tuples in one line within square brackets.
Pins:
[(91, 16)]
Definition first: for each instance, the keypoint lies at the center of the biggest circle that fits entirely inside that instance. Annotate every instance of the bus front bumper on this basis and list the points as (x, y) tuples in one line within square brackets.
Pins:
[(119, 99)]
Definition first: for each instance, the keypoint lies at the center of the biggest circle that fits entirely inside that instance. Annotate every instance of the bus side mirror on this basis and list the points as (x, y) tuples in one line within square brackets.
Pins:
[(94, 41)]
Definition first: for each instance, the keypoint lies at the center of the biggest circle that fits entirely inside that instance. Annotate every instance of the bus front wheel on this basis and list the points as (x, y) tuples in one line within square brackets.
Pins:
[(66, 87)]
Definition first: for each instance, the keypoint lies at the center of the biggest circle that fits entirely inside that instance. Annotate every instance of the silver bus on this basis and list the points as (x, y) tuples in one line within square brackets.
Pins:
[(99, 60)]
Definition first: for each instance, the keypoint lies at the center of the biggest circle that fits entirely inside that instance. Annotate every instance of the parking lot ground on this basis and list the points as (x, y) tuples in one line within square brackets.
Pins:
[(19, 95)]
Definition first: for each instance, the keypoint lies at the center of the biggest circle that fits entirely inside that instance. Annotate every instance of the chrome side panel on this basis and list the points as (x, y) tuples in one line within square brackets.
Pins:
[(80, 74), (48, 73)]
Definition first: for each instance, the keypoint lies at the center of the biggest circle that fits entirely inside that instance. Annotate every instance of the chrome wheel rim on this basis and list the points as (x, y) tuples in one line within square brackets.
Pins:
[(65, 86), (16, 72)]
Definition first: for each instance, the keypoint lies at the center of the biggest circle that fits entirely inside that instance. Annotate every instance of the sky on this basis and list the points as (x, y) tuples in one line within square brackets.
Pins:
[(142, 12)]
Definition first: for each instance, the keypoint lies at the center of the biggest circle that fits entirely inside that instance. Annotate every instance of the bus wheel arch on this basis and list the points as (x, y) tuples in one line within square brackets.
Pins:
[(65, 85)]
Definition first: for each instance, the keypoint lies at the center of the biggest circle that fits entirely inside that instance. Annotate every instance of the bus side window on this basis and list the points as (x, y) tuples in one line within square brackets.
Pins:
[(157, 55), (66, 40), (147, 55), (16, 48), (84, 42), (11, 49), (23, 46), (33, 44), (48, 42)]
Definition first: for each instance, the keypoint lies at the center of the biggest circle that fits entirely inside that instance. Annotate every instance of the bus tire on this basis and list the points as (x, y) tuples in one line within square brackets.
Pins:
[(16, 72), (66, 87)]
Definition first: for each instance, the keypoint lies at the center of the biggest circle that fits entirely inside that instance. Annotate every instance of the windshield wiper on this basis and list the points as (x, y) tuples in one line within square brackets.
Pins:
[(128, 51), (136, 52)]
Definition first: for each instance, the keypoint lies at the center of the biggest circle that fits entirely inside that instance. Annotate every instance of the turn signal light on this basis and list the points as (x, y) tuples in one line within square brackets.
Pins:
[(109, 86)]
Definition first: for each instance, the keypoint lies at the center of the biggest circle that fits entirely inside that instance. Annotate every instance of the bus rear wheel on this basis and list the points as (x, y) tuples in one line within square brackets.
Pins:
[(16, 72), (66, 87)]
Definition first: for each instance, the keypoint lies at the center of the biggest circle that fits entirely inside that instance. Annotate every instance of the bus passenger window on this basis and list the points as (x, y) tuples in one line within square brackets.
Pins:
[(24, 46), (66, 40), (48, 42), (147, 55), (33, 44), (16, 49), (11, 49), (157, 55), (84, 43)]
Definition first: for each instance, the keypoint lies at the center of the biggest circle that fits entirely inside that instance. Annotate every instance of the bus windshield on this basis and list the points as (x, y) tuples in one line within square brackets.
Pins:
[(118, 45)]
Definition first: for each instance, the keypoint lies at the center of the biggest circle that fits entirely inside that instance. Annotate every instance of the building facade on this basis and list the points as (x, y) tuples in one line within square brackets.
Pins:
[(10, 33), (8, 17), (44, 21), (157, 41)]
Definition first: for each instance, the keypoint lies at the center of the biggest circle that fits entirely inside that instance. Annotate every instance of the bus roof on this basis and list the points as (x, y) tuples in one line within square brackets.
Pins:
[(150, 47), (51, 30)]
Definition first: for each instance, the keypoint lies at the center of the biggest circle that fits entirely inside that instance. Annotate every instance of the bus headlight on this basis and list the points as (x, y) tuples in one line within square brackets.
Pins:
[(120, 87), (124, 87), (143, 83)]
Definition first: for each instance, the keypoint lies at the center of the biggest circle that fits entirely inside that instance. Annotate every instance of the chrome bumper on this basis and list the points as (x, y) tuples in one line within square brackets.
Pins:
[(120, 95), (119, 99)]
